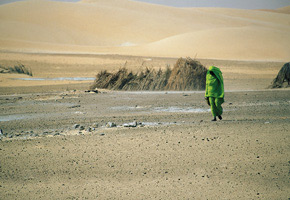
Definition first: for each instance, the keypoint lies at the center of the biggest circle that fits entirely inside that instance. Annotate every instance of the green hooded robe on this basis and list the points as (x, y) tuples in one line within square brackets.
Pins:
[(214, 90)]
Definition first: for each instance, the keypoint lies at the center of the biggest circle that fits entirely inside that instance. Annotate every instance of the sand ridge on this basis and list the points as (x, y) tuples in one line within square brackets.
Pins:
[(135, 28)]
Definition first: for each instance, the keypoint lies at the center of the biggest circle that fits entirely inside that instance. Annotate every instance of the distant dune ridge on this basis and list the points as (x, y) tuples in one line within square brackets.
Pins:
[(136, 28)]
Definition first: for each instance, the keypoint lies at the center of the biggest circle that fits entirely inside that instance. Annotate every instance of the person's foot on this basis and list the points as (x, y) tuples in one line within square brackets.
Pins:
[(214, 119), (220, 117)]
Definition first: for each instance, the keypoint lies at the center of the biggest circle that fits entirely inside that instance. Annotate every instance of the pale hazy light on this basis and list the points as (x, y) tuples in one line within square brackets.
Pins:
[(244, 4)]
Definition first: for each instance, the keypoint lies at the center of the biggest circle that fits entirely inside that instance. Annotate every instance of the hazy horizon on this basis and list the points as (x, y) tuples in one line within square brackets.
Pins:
[(246, 4)]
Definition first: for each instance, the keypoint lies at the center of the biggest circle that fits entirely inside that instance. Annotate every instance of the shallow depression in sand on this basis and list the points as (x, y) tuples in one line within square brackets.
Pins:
[(172, 109), (27, 116), (58, 79), (181, 110), (11, 118)]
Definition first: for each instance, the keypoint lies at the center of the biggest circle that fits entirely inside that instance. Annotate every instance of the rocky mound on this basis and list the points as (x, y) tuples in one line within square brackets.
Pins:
[(283, 77), (187, 74)]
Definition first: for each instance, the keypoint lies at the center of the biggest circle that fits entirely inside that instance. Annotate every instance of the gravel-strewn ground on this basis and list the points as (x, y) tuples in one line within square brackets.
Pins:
[(175, 152)]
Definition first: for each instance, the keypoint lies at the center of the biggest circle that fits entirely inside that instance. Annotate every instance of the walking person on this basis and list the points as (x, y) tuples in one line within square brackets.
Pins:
[(214, 91)]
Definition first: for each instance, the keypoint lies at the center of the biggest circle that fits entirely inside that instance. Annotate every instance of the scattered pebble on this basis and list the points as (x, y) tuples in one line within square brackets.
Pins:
[(111, 125), (34, 135), (92, 91), (75, 106), (76, 126), (132, 124), (89, 129), (95, 125)]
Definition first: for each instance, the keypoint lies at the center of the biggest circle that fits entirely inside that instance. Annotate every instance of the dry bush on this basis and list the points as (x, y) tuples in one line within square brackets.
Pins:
[(187, 74), (283, 77), (17, 69)]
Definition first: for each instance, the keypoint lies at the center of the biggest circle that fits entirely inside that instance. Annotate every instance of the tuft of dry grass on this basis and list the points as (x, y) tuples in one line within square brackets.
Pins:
[(17, 69), (187, 74), (283, 77)]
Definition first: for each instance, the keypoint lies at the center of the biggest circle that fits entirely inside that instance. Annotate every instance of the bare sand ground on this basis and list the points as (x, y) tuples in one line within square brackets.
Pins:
[(177, 152)]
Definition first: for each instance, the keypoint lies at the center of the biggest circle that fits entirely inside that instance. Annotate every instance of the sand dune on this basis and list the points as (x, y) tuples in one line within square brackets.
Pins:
[(241, 43), (285, 10), (135, 28)]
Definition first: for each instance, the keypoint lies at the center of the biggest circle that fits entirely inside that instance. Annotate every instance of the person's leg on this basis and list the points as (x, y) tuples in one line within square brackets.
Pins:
[(213, 107), (219, 108)]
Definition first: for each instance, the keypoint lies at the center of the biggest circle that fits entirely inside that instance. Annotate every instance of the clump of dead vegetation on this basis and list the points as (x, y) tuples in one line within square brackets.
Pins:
[(187, 74), (283, 77), (16, 69)]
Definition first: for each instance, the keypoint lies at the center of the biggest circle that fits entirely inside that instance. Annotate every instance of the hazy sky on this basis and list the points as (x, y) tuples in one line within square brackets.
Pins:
[(10, 1), (244, 4)]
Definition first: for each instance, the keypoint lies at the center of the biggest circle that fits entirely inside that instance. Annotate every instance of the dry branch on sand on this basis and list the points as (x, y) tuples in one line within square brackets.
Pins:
[(17, 69), (283, 77), (187, 74)]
